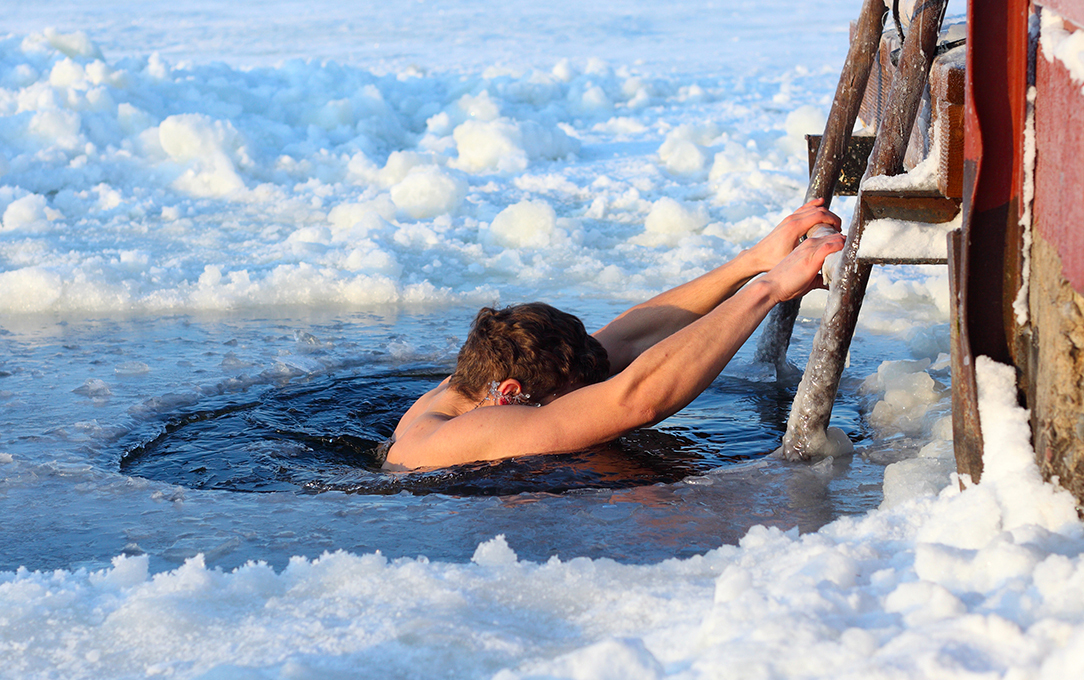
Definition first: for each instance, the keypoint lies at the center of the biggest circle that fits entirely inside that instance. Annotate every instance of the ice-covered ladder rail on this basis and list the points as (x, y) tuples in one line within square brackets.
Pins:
[(825, 170), (807, 427)]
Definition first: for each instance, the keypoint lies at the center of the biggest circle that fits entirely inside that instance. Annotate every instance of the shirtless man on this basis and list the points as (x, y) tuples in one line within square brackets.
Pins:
[(530, 380)]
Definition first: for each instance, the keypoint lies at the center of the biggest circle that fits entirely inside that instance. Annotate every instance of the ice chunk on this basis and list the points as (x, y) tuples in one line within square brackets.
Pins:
[(25, 213), (132, 368), (208, 150), (494, 553), (525, 224), (916, 477), (507, 146), (670, 220), (95, 388), (683, 153), (429, 191), (30, 289), (617, 659)]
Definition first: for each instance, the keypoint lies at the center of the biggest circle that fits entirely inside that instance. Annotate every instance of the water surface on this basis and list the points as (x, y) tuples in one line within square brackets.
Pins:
[(249, 437)]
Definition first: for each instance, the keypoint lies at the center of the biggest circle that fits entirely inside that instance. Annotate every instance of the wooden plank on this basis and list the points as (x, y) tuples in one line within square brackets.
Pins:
[(947, 79), (920, 205), (854, 162)]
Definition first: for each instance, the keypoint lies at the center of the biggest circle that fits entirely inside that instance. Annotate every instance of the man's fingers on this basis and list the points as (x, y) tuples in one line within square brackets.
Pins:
[(824, 243), (825, 216), (832, 243), (833, 219), (821, 229), (834, 240), (805, 220)]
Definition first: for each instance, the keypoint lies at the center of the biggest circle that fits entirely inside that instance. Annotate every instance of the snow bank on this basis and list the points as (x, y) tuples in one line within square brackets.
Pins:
[(954, 583)]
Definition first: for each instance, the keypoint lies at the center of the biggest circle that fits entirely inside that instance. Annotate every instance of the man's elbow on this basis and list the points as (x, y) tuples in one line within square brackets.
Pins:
[(640, 408)]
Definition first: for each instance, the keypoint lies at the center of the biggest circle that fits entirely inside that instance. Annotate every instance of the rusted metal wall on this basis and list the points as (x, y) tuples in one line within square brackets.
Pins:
[(1059, 166), (994, 113), (989, 257), (1047, 347), (986, 258), (1054, 370)]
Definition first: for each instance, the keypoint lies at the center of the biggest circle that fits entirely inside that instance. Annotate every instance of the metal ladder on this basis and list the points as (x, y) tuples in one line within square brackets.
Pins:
[(806, 429)]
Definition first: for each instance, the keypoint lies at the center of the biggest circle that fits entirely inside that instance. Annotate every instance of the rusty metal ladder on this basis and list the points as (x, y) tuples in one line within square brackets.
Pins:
[(806, 434)]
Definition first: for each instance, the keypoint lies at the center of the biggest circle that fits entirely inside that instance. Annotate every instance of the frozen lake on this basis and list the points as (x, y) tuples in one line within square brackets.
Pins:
[(188, 230), (235, 238)]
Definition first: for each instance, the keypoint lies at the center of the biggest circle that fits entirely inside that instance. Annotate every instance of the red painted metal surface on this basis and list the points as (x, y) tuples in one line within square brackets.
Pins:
[(1059, 166), (986, 262), (994, 115)]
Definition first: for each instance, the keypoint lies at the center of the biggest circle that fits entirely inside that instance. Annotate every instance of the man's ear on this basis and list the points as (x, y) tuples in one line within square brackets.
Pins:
[(510, 387)]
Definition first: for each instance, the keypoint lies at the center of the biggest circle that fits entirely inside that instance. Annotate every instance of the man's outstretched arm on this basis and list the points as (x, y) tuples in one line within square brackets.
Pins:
[(661, 381), (640, 327)]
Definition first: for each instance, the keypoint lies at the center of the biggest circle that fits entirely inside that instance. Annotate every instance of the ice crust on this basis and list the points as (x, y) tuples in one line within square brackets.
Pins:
[(217, 172)]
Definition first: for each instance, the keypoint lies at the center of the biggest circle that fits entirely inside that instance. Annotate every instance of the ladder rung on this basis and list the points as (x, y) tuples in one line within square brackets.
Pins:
[(902, 260)]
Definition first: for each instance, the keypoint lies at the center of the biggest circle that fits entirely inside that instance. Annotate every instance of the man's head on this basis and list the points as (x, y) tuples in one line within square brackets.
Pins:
[(546, 350)]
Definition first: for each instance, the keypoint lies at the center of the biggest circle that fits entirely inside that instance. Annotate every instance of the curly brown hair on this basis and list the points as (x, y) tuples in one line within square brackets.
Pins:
[(545, 349)]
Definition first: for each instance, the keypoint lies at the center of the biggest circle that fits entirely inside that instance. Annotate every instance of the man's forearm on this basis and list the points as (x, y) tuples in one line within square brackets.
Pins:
[(648, 323), (669, 375)]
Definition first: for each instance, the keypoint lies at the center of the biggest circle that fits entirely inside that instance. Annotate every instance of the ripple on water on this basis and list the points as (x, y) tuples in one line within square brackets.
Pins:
[(323, 436)]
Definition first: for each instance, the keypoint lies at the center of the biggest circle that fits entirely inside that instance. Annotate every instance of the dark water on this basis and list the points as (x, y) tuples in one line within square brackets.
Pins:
[(322, 435)]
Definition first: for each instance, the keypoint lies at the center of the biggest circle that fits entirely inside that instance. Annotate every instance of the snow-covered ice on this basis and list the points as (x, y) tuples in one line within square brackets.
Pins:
[(206, 200)]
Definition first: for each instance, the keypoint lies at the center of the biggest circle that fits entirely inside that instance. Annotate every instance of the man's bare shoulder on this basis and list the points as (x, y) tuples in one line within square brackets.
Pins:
[(422, 405), (414, 435), (411, 440)]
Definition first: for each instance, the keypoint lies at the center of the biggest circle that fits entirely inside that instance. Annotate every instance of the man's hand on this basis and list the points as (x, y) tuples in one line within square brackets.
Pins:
[(777, 245), (800, 271)]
